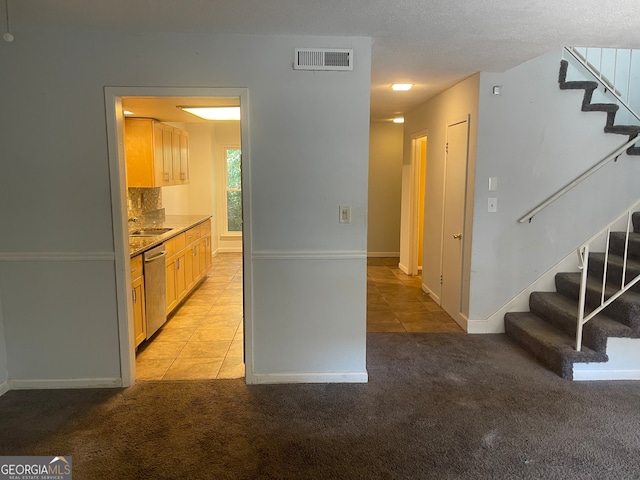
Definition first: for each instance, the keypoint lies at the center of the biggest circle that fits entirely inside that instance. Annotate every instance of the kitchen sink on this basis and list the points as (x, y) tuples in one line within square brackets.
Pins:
[(149, 232)]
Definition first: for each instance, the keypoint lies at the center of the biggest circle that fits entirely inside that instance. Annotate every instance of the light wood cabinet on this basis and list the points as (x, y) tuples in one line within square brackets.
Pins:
[(157, 154), (137, 293), (188, 261)]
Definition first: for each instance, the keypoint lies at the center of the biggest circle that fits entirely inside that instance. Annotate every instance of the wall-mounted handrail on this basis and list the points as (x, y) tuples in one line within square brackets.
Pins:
[(612, 156)]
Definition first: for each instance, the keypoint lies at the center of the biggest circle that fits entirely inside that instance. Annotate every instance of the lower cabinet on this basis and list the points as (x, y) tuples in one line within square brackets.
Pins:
[(137, 293), (188, 261)]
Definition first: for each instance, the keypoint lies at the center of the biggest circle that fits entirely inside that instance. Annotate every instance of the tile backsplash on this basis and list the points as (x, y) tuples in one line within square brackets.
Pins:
[(144, 203)]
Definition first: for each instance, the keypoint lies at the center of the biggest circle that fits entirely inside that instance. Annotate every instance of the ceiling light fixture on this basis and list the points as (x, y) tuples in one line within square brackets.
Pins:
[(214, 113), (398, 120), (402, 87)]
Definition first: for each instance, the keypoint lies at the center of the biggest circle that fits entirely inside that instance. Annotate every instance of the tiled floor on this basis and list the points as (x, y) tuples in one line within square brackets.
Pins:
[(203, 338), (396, 302)]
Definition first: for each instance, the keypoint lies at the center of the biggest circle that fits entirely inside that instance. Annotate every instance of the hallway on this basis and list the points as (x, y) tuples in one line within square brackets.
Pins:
[(203, 339)]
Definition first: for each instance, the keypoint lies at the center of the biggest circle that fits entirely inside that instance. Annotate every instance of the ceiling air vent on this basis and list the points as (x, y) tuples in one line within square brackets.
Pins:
[(323, 59)]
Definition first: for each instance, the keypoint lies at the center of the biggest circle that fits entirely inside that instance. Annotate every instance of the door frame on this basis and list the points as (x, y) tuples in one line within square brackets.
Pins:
[(117, 175), (414, 200)]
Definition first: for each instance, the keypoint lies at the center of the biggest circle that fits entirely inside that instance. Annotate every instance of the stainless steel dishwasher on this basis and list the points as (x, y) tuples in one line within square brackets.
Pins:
[(155, 288)]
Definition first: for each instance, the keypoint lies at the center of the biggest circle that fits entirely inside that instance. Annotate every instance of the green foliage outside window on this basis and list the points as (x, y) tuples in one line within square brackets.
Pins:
[(234, 192)]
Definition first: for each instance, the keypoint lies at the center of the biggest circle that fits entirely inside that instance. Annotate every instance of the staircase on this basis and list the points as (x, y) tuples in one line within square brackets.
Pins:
[(548, 330), (610, 108)]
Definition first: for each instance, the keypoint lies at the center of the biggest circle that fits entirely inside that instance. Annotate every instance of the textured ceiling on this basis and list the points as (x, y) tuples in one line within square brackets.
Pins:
[(431, 43)]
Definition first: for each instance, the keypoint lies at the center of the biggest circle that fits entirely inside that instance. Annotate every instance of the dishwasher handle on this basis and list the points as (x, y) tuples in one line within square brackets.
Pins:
[(162, 254)]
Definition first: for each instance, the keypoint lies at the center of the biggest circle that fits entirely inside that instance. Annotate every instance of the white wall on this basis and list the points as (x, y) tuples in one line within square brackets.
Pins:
[(59, 289), (432, 118), (535, 139), (385, 189)]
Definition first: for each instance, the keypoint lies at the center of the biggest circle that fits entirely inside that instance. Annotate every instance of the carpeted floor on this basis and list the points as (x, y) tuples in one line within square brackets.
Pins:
[(442, 406)]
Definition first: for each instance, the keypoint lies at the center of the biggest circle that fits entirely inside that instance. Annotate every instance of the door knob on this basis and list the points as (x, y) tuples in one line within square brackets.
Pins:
[(457, 235)]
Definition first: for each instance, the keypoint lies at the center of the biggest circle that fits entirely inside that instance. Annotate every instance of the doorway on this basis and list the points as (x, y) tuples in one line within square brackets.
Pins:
[(238, 280), (416, 224)]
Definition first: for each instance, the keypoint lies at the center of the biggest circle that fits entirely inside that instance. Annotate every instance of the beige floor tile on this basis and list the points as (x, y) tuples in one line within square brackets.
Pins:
[(158, 349), (386, 316), (175, 334), (232, 367), (152, 369), (183, 322), (416, 317), (226, 310), (407, 306), (207, 333), (201, 350), (193, 369), (188, 309), (227, 299)]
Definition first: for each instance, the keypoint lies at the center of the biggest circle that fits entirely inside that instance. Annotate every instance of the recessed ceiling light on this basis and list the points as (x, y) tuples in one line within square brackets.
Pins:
[(398, 120), (214, 113), (127, 112), (402, 86)]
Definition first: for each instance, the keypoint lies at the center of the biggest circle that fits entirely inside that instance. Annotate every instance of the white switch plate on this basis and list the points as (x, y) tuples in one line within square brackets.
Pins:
[(492, 206), (493, 184), (345, 214)]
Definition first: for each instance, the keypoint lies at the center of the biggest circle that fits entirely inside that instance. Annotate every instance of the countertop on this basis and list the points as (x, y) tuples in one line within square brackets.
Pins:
[(177, 224)]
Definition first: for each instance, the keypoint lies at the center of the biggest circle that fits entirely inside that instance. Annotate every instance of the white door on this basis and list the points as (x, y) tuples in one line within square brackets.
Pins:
[(455, 186)]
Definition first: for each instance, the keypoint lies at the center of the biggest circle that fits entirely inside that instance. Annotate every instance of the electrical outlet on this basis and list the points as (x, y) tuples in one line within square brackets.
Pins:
[(345, 214)]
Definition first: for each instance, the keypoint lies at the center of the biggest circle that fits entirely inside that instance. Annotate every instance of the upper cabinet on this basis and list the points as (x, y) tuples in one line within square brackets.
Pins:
[(157, 154)]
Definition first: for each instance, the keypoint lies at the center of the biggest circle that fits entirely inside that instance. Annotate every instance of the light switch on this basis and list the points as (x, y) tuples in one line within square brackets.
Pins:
[(345, 214), (492, 206), (493, 184)]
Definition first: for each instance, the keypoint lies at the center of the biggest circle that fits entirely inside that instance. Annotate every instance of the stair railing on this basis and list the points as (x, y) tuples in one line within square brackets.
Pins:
[(582, 56), (614, 68), (606, 298)]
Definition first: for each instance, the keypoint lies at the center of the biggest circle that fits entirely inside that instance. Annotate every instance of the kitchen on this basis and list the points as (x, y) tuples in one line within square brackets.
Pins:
[(183, 196)]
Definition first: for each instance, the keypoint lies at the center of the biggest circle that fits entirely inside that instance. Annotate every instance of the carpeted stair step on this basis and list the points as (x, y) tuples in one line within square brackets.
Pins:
[(562, 313), (626, 308), (554, 348), (631, 130), (635, 219), (614, 269), (618, 241)]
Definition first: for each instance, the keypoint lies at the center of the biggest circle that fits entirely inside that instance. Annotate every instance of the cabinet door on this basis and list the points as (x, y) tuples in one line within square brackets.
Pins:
[(172, 296), (161, 173), (188, 268), (181, 279), (184, 157), (175, 156), (139, 320), (167, 155), (207, 253), (202, 250)]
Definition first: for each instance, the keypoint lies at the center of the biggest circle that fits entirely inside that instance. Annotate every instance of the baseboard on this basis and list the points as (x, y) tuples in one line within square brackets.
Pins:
[(215, 252), (333, 377), (593, 375), (4, 387), (229, 250), (59, 383), (383, 254), (404, 269), (520, 303), (431, 293)]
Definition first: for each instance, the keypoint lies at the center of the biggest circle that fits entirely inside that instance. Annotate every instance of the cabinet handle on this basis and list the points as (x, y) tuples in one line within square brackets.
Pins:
[(166, 177), (133, 290), (195, 251), (183, 176), (178, 264)]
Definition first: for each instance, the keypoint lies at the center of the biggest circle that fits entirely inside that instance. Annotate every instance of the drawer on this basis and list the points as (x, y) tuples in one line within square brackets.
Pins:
[(174, 245), (205, 228), (193, 234), (136, 267)]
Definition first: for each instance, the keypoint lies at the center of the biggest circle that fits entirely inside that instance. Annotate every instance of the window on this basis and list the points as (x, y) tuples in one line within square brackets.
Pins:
[(233, 189)]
